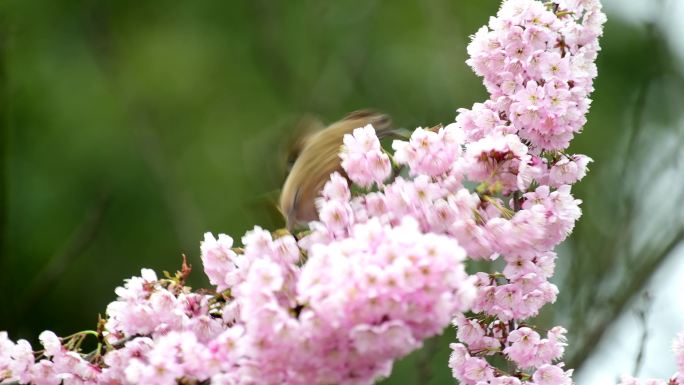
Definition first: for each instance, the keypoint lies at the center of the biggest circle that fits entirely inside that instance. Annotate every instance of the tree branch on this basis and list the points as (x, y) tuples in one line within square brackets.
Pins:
[(615, 308)]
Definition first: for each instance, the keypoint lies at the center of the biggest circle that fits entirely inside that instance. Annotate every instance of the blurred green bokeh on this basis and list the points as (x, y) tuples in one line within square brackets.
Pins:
[(131, 128)]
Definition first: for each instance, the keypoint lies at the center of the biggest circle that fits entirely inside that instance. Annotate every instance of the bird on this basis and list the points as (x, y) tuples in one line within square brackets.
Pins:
[(315, 157)]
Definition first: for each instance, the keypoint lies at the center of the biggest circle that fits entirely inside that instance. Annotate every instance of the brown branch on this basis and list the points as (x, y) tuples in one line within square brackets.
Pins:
[(612, 248), (615, 308), (643, 319)]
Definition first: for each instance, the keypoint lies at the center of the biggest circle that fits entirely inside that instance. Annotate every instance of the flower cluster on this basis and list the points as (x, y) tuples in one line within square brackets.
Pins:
[(363, 157), (538, 65), (382, 268), (157, 331), (429, 152), (537, 61), (146, 306), (355, 306)]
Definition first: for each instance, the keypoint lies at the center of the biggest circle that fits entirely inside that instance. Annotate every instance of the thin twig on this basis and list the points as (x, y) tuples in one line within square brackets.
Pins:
[(614, 309), (642, 314), (614, 247)]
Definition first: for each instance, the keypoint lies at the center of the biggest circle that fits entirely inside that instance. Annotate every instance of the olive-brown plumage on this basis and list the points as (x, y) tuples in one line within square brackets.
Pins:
[(318, 158)]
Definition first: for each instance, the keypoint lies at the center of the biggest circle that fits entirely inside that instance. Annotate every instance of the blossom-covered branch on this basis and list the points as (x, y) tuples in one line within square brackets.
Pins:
[(538, 62), (383, 267)]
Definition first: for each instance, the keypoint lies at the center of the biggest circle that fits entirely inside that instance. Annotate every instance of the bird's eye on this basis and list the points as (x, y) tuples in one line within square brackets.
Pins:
[(291, 159)]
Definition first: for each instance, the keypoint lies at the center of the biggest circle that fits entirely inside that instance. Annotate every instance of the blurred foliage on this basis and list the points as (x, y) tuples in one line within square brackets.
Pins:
[(130, 128)]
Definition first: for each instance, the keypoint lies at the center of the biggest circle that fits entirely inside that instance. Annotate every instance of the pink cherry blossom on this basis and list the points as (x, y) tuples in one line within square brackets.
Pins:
[(363, 159)]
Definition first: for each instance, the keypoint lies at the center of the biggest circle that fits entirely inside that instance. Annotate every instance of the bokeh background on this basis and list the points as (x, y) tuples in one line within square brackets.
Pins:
[(129, 128)]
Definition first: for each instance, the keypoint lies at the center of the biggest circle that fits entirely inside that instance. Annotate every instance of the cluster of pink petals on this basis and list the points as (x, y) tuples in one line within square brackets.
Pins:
[(343, 317), (521, 292), (544, 219), (381, 271), (358, 303), (474, 370), (58, 365), (568, 170), (537, 61), (538, 64), (163, 333), (522, 346), (429, 152), (496, 158), (442, 205), (144, 307), (364, 159)]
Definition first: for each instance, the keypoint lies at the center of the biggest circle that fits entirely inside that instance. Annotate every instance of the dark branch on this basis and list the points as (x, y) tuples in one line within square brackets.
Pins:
[(615, 308)]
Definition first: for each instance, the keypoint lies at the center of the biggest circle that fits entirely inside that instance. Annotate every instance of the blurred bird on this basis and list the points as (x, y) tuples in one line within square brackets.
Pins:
[(316, 156)]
